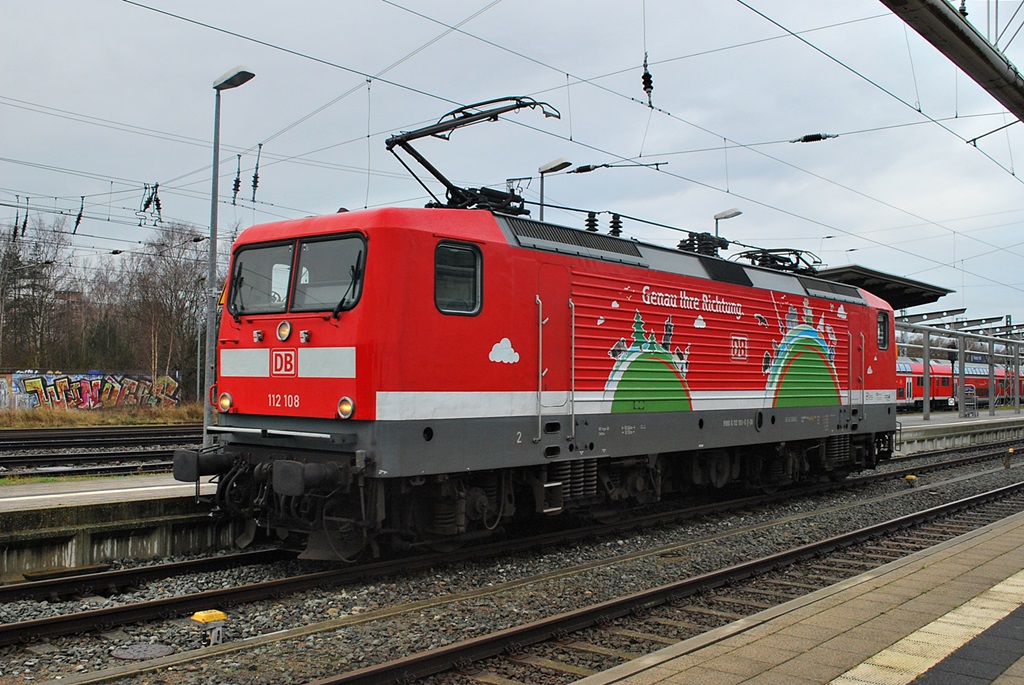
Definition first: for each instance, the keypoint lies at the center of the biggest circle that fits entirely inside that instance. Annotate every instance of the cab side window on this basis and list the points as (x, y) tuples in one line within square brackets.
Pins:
[(883, 331), (458, 279)]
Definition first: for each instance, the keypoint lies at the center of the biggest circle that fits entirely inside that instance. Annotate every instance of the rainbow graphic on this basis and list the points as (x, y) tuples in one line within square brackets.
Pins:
[(802, 373)]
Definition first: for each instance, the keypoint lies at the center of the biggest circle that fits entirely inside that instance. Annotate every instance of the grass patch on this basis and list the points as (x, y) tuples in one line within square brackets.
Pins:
[(122, 416)]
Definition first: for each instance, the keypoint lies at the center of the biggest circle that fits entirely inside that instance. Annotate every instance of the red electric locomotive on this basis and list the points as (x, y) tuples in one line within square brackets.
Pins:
[(422, 376)]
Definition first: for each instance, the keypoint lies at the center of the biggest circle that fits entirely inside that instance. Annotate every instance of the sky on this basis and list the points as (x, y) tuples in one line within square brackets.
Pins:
[(102, 100)]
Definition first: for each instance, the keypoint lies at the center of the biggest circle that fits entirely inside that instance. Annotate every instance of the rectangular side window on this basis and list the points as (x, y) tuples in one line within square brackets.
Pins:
[(458, 279), (883, 331)]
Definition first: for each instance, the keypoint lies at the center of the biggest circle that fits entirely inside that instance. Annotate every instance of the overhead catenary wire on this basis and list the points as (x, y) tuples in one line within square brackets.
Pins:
[(788, 33), (419, 14), (871, 82), (290, 51), (378, 76), (1007, 27), (135, 3), (369, 138)]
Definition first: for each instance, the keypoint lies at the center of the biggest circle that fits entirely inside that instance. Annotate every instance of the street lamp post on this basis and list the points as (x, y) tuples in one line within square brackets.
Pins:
[(199, 359), (550, 168), (727, 214), (231, 79)]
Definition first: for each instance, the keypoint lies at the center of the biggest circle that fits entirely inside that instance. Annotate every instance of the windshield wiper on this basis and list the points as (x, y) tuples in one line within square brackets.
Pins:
[(236, 293), (354, 273)]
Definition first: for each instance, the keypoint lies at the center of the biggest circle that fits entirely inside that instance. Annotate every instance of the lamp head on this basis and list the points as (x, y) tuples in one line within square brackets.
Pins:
[(554, 165), (727, 214), (233, 78)]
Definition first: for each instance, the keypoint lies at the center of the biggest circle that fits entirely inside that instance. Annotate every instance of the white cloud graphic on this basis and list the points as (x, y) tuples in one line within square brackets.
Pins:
[(600, 320), (842, 312), (699, 322), (615, 304), (502, 352)]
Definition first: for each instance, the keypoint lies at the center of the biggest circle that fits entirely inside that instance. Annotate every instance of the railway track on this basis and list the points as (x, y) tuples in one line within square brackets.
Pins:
[(46, 439), (87, 463), (669, 613), (108, 582), (71, 583), (93, 451), (50, 628)]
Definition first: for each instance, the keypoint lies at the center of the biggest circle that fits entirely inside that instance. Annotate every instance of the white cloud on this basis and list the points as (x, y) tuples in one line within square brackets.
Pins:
[(502, 352), (699, 322), (842, 312), (600, 320)]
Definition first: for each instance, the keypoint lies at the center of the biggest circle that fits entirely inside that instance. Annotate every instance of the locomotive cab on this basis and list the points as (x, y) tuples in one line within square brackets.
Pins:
[(287, 385), (281, 294)]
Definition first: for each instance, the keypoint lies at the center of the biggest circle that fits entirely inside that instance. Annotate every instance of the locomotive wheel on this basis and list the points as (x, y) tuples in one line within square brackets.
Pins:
[(342, 535)]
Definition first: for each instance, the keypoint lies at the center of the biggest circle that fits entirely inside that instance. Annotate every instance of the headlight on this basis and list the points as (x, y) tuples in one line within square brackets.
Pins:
[(345, 407), (224, 403), (284, 329)]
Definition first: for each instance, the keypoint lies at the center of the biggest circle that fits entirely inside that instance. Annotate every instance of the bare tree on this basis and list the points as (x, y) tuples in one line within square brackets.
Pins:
[(109, 335), (165, 294), (36, 269), (142, 311)]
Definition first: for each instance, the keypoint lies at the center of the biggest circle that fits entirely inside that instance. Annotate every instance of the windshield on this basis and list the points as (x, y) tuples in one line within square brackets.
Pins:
[(327, 276), (259, 283)]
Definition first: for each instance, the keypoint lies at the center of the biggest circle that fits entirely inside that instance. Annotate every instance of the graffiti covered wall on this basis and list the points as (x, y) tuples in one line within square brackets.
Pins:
[(86, 391)]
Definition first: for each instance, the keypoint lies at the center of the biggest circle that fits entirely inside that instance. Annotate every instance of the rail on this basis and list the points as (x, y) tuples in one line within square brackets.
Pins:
[(29, 631), (424, 664)]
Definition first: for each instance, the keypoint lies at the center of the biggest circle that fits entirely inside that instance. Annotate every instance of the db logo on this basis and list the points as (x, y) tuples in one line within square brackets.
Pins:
[(282, 363), (739, 347)]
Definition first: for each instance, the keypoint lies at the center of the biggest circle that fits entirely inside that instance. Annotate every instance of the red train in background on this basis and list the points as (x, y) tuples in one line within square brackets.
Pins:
[(422, 377), (944, 383)]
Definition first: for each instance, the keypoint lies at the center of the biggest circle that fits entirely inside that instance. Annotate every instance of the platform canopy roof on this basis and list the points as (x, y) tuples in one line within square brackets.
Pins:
[(900, 292)]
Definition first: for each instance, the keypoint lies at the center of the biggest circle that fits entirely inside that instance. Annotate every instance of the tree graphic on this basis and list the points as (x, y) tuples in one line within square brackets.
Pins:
[(640, 337)]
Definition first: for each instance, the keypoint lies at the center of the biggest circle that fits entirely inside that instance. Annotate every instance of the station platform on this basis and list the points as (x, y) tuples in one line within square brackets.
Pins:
[(952, 614), (74, 523), (947, 430), (68, 493)]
